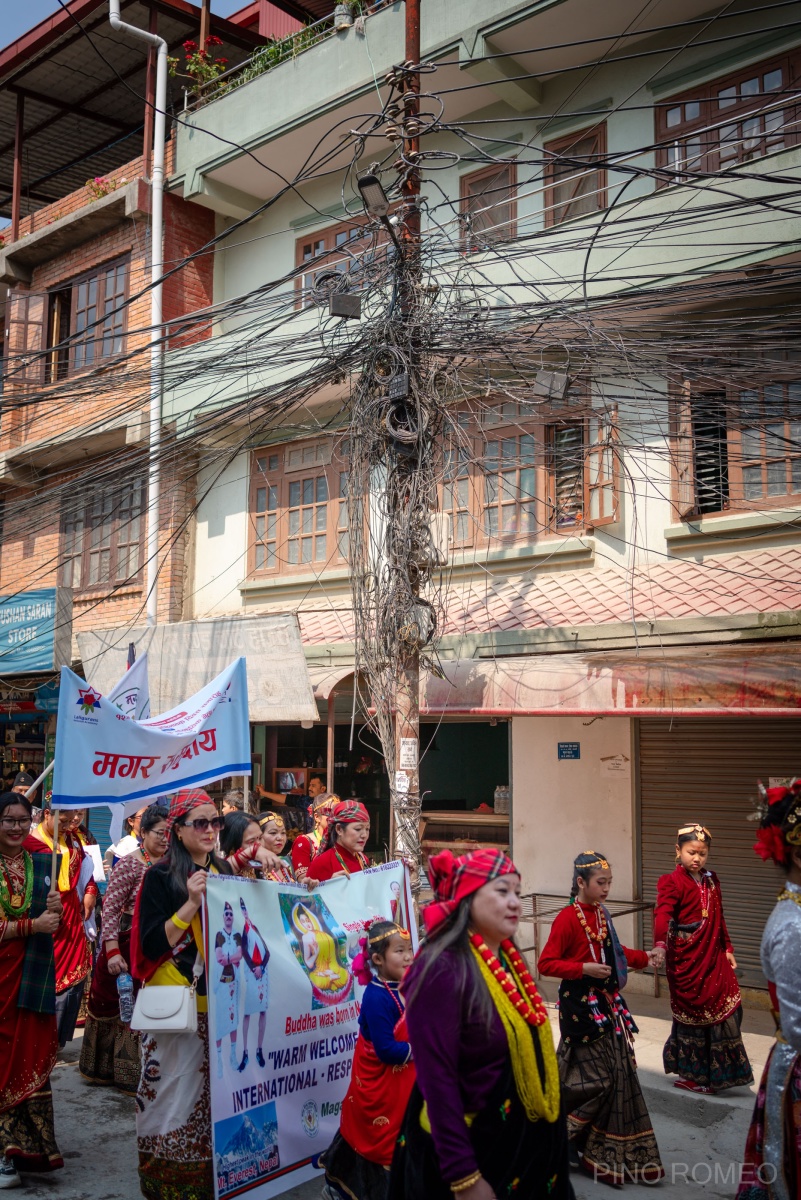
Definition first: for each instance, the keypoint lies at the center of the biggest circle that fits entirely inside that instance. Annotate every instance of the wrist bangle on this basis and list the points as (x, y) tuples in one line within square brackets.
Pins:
[(176, 920), (462, 1185)]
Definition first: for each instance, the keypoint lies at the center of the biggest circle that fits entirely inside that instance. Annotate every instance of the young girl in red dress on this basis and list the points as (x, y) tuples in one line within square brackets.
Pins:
[(705, 1048), (348, 831), (607, 1119), (358, 1160)]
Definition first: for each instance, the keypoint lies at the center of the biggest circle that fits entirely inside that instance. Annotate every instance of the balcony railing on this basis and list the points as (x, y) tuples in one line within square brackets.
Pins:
[(266, 58)]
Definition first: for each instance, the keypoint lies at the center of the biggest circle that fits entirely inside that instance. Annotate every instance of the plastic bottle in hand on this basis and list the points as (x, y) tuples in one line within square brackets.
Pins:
[(125, 990)]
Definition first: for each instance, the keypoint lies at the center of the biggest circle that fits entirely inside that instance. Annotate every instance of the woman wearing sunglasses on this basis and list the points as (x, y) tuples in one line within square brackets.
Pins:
[(173, 1125), (110, 1050)]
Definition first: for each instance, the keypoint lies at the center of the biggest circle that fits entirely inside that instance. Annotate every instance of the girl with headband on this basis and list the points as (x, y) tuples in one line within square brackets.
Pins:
[(608, 1123), (772, 1165), (705, 1048), (358, 1160), (342, 853), (485, 1118)]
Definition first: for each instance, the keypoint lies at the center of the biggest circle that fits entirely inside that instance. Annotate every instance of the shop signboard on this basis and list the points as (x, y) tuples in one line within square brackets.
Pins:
[(35, 631)]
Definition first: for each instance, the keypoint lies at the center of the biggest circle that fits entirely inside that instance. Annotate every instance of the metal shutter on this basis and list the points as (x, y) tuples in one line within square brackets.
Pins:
[(706, 770)]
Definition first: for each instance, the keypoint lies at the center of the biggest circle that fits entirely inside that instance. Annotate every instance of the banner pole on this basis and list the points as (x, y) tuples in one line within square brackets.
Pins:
[(54, 862), (36, 782)]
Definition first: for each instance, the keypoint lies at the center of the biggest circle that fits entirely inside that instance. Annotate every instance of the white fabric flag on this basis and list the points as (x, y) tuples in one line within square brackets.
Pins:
[(103, 757), (132, 693), (132, 697)]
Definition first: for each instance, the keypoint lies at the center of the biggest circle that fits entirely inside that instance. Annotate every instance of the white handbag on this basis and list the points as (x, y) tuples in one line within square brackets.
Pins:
[(168, 1009)]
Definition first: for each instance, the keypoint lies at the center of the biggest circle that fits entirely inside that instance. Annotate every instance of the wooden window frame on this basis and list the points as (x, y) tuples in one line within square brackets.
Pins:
[(26, 317), (508, 228), (326, 253), (78, 520), (63, 308), (739, 422), (712, 119), (600, 481), (271, 469), (559, 147)]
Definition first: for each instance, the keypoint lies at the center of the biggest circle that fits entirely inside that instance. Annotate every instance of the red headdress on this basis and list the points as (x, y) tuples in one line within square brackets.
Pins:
[(348, 812), (183, 803), (452, 879), (780, 828)]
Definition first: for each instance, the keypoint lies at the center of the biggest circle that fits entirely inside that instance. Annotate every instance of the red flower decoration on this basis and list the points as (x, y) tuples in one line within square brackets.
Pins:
[(189, 47), (213, 40), (775, 795), (770, 844)]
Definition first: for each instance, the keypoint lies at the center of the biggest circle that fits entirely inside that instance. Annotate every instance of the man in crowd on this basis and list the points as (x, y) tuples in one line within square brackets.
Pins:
[(233, 801)]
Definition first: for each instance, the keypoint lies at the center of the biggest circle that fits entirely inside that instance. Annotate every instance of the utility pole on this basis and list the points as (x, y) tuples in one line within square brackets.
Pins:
[(407, 805)]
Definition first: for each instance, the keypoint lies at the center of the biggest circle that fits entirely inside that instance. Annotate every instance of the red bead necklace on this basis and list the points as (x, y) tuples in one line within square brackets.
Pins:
[(530, 1006)]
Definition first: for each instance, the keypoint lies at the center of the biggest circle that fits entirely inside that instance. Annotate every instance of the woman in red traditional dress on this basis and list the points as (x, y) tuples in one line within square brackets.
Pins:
[(348, 831), (610, 1131), (705, 1048), (29, 916), (307, 846), (110, 1050), (70, 944), (382, 1077)]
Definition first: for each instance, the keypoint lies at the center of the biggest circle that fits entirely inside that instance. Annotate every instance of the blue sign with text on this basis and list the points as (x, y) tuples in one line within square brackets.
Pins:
[(568, 749), (28, 631)]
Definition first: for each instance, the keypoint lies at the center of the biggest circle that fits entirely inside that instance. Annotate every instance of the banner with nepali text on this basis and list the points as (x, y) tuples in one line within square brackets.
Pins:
[(104, 755), (283, 1018)]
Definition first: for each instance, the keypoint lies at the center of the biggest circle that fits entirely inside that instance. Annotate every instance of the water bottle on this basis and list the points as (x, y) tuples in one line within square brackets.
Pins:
[(125, 990)]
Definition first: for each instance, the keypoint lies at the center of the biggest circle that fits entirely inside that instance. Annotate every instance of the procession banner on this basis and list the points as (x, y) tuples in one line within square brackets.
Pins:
[(283, 1018), (104, 756)]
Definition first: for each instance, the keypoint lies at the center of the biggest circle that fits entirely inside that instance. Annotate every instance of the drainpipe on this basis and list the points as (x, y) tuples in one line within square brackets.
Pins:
[(156, 269)]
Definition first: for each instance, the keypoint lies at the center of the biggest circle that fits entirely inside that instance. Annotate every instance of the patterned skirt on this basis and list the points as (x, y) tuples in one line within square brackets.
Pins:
[(710, 1055), (110, 1050), (607, 1119), (27, 1133), (772, 1165), (173, 1119), (350, 1175), (517, 1157)]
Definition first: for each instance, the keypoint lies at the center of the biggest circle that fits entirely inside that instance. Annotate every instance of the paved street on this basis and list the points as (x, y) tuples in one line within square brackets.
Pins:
[(701, 1139)]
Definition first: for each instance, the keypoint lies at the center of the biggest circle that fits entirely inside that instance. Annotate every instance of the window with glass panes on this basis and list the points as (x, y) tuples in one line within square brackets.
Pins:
[(513, 476), (299, 509), (97, 318), (575, 175), (102, 535), (765, 459), (344, 249), (732, 120), (738, 448)]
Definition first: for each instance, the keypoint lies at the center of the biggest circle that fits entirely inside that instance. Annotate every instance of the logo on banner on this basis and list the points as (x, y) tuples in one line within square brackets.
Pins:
[(320, 947), (89, 700), (310, 1118)]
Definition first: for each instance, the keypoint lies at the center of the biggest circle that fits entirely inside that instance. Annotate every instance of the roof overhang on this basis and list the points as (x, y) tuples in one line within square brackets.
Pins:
[(742, 681)]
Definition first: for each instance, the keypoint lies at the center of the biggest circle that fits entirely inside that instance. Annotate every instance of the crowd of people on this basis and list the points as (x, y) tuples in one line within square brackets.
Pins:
[(457, 1088)]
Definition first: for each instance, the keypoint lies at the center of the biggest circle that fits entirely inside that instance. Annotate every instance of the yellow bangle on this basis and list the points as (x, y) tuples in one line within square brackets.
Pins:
[(462, 1185), (176, 920)]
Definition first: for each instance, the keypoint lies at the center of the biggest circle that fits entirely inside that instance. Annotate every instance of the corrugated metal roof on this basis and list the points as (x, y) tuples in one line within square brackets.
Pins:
[(84, 87), (730, 585)]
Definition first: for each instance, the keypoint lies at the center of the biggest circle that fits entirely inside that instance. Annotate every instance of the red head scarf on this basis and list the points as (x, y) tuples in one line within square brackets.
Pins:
[(348, 812), (454, 878), (183, 803)]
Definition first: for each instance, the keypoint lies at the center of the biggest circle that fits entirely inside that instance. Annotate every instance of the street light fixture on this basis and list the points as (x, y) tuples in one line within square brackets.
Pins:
[(376, 203)]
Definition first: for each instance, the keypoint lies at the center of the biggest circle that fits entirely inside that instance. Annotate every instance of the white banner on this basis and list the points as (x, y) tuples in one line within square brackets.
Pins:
[(281, 989), (132, 693), (104, 756)]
